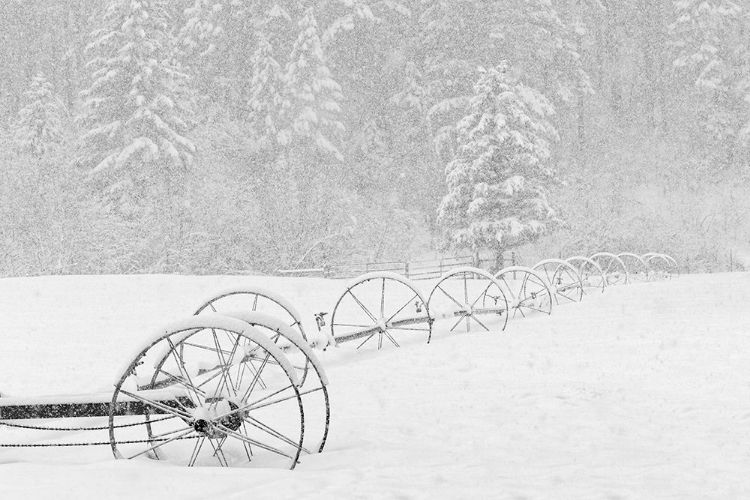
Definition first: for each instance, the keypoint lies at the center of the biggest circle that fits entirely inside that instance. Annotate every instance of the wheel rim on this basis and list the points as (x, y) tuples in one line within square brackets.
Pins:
[(563, 279), (235, 400), (592, 276), (469, 296), (662, 265), (380, 309), (614, 269), (638, 269), (526, 290)]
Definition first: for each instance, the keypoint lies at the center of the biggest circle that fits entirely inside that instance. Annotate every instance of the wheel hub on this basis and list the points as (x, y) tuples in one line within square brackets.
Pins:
[(211, 419)]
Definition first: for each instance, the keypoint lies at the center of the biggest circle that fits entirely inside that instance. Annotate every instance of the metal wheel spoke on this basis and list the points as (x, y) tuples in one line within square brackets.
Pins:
[(257, 378), (480, 323), (198, 346), (272, 432), (572, 299), (265, 400), (161, 443), (219, 453), (196, 450), (170, 377), (225, 366), (482, 295), (248, 449), (159, 406), (382, 300), (241, 368), (254, 442), (352, 325), (368, 338), (406, 304), (510, 290), (460, 319), (367, 311), (462, 306), (546, 275), (217, 373), (169, 433), (181, 367), (535, 308), (390, 337)]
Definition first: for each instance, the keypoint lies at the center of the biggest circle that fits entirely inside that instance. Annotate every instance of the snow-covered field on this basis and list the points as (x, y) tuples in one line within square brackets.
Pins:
[(640, 392)]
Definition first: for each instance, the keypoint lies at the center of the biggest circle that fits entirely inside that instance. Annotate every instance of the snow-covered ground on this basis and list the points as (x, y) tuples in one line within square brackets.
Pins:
[(640, 392)]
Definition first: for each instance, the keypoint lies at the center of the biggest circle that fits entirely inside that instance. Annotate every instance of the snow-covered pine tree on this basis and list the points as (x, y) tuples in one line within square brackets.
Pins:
[(497, 183), (201, 30), (312, 96), (39, 126), (135, 117), (267, 87), (711, 37)]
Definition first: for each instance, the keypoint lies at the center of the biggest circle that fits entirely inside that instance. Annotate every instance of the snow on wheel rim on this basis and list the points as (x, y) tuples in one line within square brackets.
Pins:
[(468, 293), (613, 268), (526, 290), (662, 264), (591, 274), (637, 268), (563, 279), (382, 307), (259, 299)]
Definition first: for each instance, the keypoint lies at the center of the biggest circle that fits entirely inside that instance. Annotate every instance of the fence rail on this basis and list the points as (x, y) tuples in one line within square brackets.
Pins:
[(416, 270)]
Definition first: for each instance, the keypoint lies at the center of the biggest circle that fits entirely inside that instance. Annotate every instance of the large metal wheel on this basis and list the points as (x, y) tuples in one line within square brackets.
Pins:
[(613, 268), (257, 299), (468, 293), (592, 276), (662, 265), (638, 269), (209, 390), (310, 373), (562, 278), (381, 308), (527, 291)]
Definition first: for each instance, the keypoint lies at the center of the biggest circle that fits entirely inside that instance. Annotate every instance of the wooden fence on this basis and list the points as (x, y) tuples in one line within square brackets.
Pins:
[(416, 270)]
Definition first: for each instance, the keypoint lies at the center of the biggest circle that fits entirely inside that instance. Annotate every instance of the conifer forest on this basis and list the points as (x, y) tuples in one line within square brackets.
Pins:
[(224, 136)]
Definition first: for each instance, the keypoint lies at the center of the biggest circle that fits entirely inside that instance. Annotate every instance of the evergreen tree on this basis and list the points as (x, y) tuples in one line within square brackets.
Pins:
[(39, 126), (135, 118), (497, 194), (711, 36), (267, 94), (312, 96), (198, 43)]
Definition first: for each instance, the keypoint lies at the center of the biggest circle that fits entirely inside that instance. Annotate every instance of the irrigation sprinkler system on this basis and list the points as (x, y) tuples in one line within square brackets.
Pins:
[(238, 383)]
